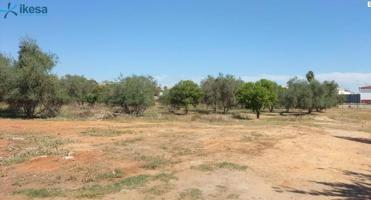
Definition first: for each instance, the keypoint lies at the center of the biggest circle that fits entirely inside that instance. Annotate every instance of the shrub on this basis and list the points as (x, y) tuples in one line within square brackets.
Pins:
[(134, 94)]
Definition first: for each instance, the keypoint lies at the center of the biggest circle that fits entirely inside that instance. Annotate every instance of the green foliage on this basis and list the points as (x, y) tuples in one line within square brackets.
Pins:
[(164, 99), (210, 90), (299, 94), (106, 92), (191, 193), (34, 90), (28, 87), (227, 87), (41, 193), (272, 88), (6, 67), (116, 173), (310, 94), (318, 91), (80, 89), (253, 96), (220, 165), (110, 132), (220, 91), (332, 98), (184, 94), (134, 94)]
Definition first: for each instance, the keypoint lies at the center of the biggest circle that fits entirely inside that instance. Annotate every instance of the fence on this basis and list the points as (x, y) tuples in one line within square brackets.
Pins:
[(355, 105)]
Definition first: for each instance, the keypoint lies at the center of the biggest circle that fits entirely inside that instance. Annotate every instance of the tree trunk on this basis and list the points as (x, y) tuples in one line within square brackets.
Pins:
[(258, 114), (186, 109), (310, 110)]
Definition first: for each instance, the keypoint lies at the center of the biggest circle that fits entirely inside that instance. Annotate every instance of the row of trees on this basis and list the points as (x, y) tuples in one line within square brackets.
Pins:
[(226, 92), (28, 86)]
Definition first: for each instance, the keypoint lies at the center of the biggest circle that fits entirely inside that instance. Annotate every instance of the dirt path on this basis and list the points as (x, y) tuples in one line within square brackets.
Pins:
[(198, 160)]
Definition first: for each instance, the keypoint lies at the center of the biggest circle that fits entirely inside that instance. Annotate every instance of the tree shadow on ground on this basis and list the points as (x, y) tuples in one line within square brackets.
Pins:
[(296, 114), (362, 140), (10, 113), (359, 188)]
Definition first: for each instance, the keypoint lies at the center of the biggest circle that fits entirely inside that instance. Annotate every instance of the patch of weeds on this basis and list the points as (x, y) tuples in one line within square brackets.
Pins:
[(86, 174), (134, 181), (231, 166), (251, 137), (97, 190), (177, 150), (33, 146), (128, 141), (159, 189), (41, 193), (221, 165), (153, 162), (192, 194), (233, 196), (116, 173), (181, 151), (92, 191), (204, 167), (110, 132), (164, 177), (221, 188)]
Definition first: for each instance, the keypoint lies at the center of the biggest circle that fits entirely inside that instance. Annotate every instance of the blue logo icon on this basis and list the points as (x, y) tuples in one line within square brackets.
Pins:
[(24, 10), (11, 10)]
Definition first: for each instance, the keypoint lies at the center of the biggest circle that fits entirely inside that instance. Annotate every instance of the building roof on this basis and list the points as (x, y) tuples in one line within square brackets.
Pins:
[(365, 87)]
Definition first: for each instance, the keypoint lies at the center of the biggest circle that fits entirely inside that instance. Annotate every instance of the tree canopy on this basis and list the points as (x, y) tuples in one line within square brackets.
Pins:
[(34, 90), (184, 94), (253, 96), (134, 93)]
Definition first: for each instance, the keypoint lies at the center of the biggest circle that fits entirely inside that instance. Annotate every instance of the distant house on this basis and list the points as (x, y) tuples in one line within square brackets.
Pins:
[(349, 97), (365, 94), (344, 91)]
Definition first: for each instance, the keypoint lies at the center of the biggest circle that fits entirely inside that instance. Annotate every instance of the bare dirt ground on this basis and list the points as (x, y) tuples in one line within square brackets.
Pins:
[(321, 156)]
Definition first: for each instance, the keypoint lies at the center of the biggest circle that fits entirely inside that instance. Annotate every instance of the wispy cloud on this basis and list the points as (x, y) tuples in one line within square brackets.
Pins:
[(347, 77)]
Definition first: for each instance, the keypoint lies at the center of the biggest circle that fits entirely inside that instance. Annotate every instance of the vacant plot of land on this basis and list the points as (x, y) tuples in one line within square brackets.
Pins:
[(320, 156)]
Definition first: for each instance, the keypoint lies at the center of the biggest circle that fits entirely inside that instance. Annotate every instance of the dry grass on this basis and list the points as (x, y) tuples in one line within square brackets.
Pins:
[(195, 156), (24, 148)]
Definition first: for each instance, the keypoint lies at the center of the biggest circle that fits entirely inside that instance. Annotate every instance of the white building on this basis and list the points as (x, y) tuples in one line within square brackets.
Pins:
[(365, 94), (343, 91)]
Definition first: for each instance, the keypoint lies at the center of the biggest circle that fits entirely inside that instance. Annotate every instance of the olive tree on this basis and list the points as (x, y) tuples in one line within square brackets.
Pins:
[(34, 89), (209, 88), (318, 92), (220, 91), (331, 94), (134, 94), (80, 89), (6, 67), (184, 94), (227, 88), (299, 95)]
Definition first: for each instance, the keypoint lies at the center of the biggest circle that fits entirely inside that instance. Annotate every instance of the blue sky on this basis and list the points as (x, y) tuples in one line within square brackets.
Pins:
[(189, 39)]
